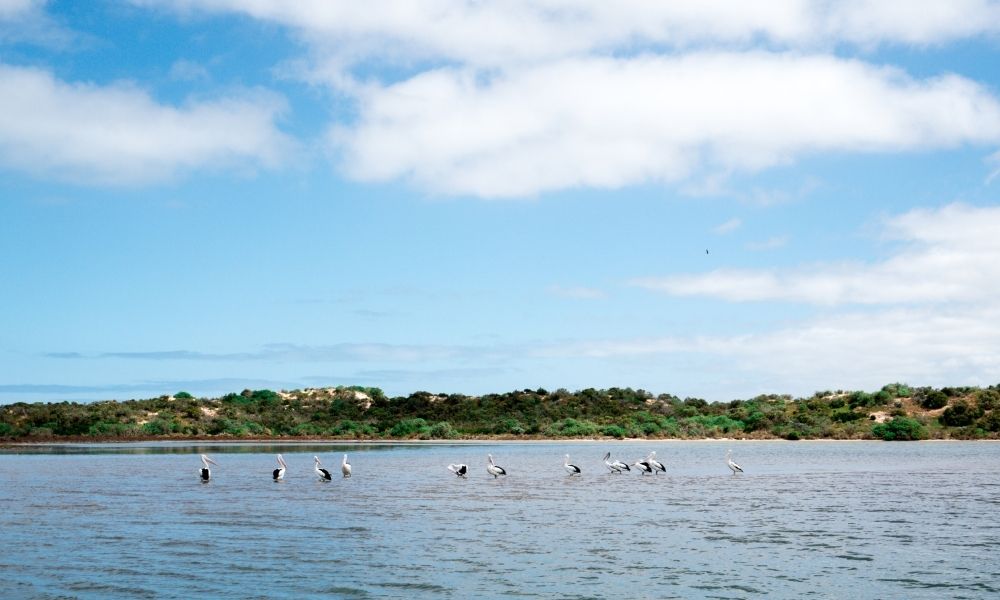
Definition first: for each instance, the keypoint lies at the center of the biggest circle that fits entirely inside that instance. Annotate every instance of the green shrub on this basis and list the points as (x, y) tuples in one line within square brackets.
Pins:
[(846, 416), (6, 430), (899, 429), (898, 390), (571, 428), (509, 425), (156, 427), (616, 431), (306, 429), (409, 428), (858, 399), (933, 400), (443, 431), (183, 396), (990, 422), (720, 423), (960, 414)]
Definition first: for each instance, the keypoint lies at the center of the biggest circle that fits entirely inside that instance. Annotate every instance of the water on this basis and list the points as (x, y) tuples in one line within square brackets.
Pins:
[(806, 520)]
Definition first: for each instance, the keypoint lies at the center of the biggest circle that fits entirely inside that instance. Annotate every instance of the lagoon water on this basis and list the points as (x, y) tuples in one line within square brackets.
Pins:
[(806, 520)]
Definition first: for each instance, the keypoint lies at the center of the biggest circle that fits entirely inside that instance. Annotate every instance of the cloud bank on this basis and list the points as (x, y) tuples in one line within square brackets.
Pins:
[(120, 135), (515, 99)]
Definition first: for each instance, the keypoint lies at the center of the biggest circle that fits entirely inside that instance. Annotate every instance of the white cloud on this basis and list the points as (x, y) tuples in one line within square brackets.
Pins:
[(118, 134), (482, 33), (525, 98), (950, 254), (26, 21), (862, 350), (728, 227), (608, 123)]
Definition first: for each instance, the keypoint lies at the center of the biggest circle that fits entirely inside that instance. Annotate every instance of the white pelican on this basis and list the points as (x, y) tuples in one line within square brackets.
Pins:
[(729, 461), (345, 467), (206, 473), (279, 473), (459, 469), (322, 473), (493, 469), (571, 469), (617, 466), (643, 466), (654, 464)]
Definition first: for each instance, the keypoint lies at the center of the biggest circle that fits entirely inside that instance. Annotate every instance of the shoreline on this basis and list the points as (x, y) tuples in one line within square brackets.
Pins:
[(441, 442)]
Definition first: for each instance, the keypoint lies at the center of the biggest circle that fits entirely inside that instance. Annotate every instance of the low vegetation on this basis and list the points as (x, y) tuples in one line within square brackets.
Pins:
[(895, 412)]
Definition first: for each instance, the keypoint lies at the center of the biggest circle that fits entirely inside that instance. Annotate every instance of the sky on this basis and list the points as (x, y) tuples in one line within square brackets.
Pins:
[(716, 199)]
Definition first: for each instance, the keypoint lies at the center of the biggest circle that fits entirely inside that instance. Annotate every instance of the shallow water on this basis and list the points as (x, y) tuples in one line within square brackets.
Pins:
[(806, 520)]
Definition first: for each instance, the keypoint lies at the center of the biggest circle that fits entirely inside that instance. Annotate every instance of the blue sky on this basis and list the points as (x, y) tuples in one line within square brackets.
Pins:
[(468, 197)]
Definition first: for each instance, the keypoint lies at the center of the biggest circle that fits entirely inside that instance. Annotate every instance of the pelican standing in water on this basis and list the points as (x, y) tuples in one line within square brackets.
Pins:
[(643, 466), (617, 466), (493, 469), (322, 473), (279, 473), (654, 464), (732, 466), (206, 473), (571, 469), (345, 467), (460, 470)]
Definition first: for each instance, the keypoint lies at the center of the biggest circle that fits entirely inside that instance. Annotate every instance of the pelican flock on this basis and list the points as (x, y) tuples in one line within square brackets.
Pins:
[(492, 467), (206, 473), (645, 466), (571, 469), (322, 473), (279, 473)]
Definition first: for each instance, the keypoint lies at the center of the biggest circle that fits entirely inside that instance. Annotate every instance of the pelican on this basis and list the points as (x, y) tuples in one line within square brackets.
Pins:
[(345, 467), (643, 466), (459, 469), (571, 469), (322, 473), (493, 469), (206, 473), (279, 473), (729, 461), (654, 464), (617, 466)]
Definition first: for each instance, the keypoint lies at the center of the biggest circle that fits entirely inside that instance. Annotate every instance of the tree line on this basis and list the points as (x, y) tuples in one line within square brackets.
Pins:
[(895, 412)]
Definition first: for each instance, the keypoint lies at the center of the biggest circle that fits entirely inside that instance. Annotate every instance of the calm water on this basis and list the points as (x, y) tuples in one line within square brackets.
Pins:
[(806, 520)]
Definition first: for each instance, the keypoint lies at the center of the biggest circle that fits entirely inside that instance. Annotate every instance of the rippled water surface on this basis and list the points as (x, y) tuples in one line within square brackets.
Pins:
[(806, 520)]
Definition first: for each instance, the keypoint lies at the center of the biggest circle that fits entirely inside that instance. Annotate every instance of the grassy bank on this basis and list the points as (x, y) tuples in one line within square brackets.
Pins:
[(895, 412)]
